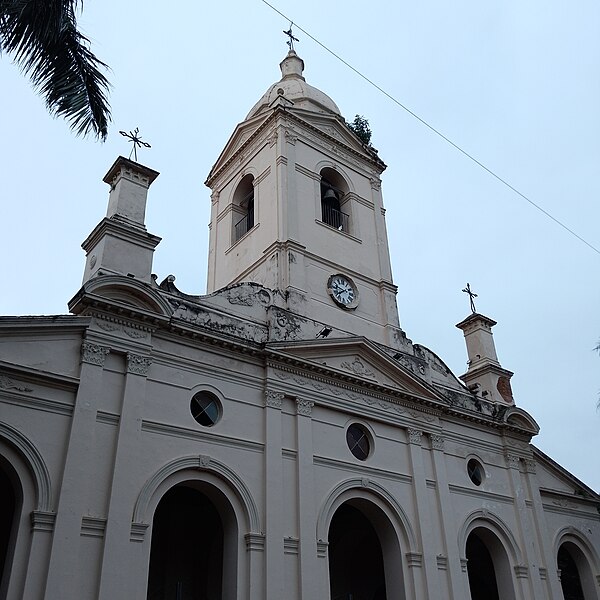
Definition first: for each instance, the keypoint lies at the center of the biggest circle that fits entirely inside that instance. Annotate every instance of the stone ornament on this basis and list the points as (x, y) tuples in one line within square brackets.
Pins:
[(414, 436), (94, 354), (358, 368), (437, 442), (273, 399), (304, 407), (137, 364), (8, 384), (512, 460)]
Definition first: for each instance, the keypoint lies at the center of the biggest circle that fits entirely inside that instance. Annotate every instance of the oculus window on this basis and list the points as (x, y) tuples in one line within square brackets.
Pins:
[(358, 441), (206, 409)]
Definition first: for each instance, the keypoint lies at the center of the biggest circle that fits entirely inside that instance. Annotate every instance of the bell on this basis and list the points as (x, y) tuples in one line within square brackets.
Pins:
[(330, 194)]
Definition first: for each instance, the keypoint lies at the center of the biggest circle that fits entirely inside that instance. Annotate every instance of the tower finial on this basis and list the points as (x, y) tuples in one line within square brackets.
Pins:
[(292, 39), (133, 136), (472, 296)]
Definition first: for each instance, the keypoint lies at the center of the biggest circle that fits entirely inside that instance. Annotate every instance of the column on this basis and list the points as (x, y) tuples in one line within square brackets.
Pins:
[(527, 538), (422, 567), (118, 578), (307, 519), (548, 571), (274, 575), (78, 469), (457, 578)]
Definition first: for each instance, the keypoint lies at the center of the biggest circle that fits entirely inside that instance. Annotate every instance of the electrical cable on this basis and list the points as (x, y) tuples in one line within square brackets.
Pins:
[(434, 130)]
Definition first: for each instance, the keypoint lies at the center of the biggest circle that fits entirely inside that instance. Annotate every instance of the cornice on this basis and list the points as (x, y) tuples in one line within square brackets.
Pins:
[(280, 111), (32, 375)]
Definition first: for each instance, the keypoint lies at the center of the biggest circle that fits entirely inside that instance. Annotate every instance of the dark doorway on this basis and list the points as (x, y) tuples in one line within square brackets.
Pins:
[(356, 569), (10, 502), (186, 557), (480, 568), (569, 575)]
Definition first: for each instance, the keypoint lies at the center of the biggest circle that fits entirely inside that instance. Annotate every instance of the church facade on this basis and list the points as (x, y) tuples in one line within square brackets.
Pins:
[(279, 437)]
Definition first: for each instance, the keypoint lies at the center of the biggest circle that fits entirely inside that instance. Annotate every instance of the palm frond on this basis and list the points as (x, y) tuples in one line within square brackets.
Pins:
[(43, 39)]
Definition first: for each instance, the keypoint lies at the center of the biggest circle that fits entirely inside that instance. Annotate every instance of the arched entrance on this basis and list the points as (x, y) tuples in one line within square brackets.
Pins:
[(194, 546), (488, 567), (364, 556), (576, 574), (570, 581), (9, 517)]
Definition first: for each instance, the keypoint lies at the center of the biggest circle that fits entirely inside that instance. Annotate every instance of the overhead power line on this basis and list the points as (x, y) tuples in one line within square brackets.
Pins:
[(434, 130)]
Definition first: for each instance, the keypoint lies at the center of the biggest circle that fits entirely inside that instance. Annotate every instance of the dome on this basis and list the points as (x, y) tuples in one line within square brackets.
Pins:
[(293, 87)]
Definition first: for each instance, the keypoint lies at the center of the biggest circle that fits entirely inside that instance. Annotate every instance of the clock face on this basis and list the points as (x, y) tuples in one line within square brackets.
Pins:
[(343, 291)]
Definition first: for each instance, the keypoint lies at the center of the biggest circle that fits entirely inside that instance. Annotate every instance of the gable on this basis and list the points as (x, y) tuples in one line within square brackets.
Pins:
[(358, 360)]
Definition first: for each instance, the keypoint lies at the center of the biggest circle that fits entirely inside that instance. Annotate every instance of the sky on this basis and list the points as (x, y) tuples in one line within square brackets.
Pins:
[(515, 84)]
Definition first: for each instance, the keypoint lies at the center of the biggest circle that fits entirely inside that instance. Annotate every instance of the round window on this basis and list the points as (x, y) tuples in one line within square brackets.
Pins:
[(205, 408), (358, 442), (475, 471)]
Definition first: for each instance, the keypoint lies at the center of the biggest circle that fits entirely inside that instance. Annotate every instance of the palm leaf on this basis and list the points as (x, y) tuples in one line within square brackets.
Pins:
[(42, 37)]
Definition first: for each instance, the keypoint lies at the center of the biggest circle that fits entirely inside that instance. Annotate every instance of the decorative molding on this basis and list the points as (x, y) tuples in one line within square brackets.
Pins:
[(273, 399), (8, 384), (138, 532), (107, 418), (521, 571), (364, 483), (414, 559), (255, 542), (512, 460), (463, 564), (375, 183), (322, 548), (530, 465), (414, 436), (291, 545), (42, 520), (442, 562), (138, 364), (248, 297), (437, 442), (544, 573), (93, 527), (204, 461), (290, 136), (94, 354), (358, 368), (304, 407)]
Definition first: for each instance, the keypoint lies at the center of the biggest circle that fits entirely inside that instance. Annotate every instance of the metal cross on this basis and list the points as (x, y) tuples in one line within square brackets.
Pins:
[(133, 136), (292, 39), (472, 296)]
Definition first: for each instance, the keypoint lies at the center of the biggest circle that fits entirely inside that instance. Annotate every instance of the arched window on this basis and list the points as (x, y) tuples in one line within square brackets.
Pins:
[(576, 577), (355, 557), (187, 552), (243, 208), (11, 504), (333, 190), (488, 567)]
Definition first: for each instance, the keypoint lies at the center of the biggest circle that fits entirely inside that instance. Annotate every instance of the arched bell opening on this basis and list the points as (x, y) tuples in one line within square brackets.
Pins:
[(365, 561), (12, 500), (333, 190), (488, 567), (576, 577), (243, 208), (194, 545)]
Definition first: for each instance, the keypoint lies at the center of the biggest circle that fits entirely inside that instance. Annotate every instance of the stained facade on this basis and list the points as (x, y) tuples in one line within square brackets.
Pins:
[(281, 436)]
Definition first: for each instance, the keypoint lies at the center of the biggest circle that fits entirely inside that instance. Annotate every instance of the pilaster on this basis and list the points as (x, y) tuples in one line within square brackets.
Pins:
[(78, 469), (307, 564), (274, 582), (116, 580)]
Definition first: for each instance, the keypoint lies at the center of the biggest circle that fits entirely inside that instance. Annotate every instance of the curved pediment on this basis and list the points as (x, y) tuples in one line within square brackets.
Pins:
[(517, 417), (122, 291)]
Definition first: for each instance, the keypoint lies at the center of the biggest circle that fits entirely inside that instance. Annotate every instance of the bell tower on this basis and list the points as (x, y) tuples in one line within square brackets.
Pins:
[(297, 207)]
